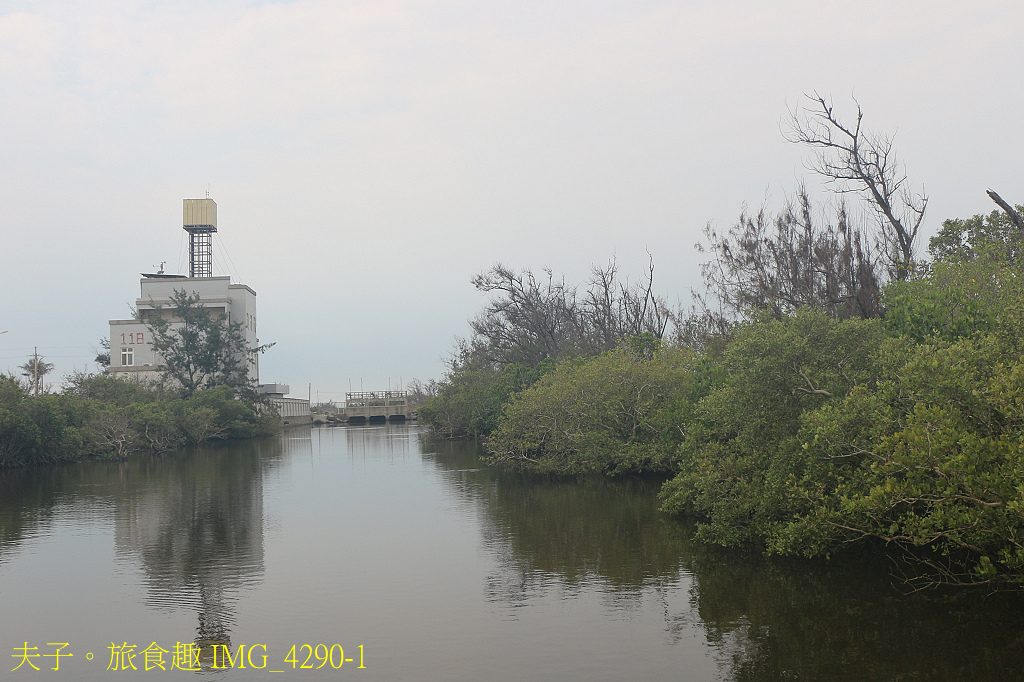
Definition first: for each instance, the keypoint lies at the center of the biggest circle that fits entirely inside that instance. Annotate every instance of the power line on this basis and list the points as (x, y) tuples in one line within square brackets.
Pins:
[(63, 357), (44, 347)]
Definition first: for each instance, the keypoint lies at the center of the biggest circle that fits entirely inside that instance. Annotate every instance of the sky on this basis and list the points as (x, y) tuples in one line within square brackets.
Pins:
[(368, 158)]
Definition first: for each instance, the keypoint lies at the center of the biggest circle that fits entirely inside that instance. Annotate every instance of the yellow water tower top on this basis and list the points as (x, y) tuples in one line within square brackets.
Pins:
[(200, 213)]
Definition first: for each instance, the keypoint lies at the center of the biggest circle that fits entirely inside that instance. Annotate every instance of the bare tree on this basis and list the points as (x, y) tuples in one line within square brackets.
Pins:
[(530, 319), (854, 160), (614, 310), (112, 429), (421, 391), (790, 261)]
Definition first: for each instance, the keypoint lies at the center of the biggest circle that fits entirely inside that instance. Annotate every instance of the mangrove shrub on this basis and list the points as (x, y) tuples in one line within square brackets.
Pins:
[(622, 411)]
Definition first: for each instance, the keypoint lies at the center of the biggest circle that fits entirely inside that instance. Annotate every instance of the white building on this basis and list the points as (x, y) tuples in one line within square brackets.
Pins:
[(293, 411), (131, 350)]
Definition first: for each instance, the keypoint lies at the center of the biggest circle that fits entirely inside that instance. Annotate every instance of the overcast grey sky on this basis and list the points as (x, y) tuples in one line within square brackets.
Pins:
[(368, 158)]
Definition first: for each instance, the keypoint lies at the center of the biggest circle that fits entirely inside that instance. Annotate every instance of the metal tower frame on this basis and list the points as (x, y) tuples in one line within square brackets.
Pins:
[(200, 251)]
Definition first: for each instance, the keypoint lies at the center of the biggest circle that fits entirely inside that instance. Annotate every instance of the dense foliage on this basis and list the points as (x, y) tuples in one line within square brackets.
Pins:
[(103, 417), (622, 411), (806, 430), (742, 448), (469, 403), (907, 431)]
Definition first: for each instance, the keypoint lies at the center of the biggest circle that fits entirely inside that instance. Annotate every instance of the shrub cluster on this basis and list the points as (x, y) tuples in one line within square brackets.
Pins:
[(807, 433), (102, 417)]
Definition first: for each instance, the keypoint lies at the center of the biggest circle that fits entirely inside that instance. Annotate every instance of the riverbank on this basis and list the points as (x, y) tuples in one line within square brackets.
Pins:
[(103, 417), (798, 431)]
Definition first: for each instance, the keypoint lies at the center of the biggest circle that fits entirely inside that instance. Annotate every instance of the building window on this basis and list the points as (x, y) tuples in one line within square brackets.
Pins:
[(127, 357)]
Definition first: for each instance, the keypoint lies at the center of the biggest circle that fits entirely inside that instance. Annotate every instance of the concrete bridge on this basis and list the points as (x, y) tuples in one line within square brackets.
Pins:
[(377, 407)]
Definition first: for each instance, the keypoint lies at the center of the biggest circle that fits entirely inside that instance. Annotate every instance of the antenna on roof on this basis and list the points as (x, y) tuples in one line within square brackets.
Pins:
[(207, 190)]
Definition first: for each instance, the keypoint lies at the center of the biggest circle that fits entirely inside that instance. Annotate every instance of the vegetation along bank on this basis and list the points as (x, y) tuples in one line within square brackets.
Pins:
[(205, 395), (829, 391)]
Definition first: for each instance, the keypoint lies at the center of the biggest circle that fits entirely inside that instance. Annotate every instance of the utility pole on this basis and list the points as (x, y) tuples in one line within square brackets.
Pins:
[(35, 368)]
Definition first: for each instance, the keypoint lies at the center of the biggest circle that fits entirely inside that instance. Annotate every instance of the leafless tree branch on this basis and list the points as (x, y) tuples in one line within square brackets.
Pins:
[(1010, 210), (853, 160)]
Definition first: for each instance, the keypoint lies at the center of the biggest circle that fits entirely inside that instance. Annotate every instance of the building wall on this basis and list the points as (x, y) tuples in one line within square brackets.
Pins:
[(131, 350), (293, 411)]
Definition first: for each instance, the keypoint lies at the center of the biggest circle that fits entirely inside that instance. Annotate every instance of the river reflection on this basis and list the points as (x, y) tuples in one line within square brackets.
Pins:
[(765, 620), (192, 521), (579, 533), (195, 523), (443, 569), (27, 501)]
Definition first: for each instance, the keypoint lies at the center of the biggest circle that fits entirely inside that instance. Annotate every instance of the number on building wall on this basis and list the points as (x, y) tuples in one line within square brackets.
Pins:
[(133, 338)]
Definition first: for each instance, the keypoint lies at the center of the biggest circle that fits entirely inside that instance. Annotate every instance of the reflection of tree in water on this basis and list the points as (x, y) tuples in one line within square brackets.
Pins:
[(195, 520), (846, 621), (579, 532), (27, 501), (196, 523), (568, 533), (767, 620)]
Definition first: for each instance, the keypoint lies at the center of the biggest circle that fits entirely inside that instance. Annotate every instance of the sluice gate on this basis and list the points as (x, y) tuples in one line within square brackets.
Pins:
[(377, 407)]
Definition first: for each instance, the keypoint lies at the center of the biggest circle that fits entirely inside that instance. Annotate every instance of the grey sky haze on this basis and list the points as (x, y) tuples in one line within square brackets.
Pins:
[(368, 158)]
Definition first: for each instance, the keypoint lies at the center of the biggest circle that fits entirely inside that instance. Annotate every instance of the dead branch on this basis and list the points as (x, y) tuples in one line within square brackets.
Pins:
[(812, 390), (1010, 211), (853, 160)]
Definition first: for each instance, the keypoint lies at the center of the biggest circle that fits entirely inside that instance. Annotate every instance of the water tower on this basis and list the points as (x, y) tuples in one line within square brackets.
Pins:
[(200, 221)]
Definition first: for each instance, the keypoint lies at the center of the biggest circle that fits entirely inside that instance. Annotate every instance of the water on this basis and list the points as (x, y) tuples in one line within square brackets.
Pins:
[(441, 570)]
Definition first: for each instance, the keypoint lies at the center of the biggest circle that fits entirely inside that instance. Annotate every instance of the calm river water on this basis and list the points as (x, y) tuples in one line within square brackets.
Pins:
[(422, 564)]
